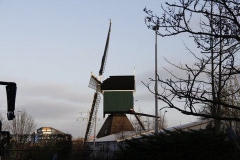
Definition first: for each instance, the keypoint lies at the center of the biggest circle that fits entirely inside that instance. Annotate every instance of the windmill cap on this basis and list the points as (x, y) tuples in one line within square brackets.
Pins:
[(119, 83)]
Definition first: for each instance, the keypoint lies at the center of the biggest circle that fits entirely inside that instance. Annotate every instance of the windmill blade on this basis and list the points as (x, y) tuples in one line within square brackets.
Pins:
[(94, 83), (92, 114), (104, 57)]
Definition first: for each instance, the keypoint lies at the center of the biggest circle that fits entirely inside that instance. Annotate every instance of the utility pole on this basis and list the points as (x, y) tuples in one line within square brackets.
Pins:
[(84, 117), (93, 119)]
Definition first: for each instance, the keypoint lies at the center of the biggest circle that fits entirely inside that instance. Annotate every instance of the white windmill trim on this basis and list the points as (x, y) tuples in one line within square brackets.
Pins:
[(117, 90)]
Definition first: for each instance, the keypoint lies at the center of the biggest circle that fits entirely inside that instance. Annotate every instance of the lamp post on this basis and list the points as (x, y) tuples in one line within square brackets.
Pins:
[(155, 28)]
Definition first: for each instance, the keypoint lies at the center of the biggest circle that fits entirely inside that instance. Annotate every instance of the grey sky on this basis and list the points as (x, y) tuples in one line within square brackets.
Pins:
[(50, 48)]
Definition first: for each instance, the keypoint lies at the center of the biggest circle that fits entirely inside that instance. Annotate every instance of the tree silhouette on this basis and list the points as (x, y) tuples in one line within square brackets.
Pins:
[(216, 35), (23, 123)]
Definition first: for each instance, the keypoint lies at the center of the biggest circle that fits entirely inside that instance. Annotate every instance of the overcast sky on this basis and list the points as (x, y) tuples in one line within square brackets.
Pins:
[(50, 48)]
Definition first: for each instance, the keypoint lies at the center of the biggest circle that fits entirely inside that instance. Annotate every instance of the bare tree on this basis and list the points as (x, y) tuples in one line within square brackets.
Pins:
[(217, 38), (23, 123), (234, 99), (4, 124)]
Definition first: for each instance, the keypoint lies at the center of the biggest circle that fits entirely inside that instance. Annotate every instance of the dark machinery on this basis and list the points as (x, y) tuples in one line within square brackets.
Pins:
[(11, 89)]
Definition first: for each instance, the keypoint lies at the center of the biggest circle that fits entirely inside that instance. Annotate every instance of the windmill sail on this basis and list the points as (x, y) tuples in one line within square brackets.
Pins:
[(92, 115), (104, 58), (95, 83)]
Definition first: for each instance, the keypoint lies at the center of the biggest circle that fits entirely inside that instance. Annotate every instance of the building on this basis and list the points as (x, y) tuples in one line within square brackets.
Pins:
[(111, 142), (45, 133), (48, 130)]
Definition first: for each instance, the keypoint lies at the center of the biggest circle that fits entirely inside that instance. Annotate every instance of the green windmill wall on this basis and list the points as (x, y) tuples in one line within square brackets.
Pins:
[(117, 101)]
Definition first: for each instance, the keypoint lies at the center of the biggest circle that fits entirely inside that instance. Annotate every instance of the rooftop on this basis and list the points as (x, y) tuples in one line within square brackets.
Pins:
[(119, 83)]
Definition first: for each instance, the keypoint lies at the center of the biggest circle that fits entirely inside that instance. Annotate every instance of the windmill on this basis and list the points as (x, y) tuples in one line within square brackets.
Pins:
[(118, 94), (95, 83)]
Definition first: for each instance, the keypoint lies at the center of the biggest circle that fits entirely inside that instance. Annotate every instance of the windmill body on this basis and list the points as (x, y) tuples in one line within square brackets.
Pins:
[(118, 94), (118, 99)]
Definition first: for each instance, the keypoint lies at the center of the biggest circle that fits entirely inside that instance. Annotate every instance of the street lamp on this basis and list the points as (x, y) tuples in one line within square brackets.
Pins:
[(155, 28)]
